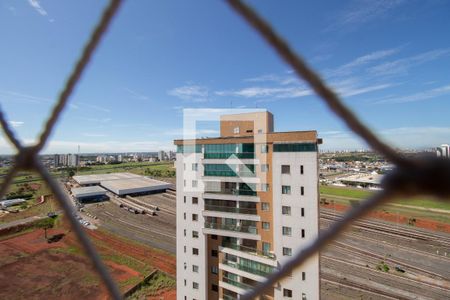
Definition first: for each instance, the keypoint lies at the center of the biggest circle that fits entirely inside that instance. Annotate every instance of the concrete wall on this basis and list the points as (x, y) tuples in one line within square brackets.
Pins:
[(310, 221)]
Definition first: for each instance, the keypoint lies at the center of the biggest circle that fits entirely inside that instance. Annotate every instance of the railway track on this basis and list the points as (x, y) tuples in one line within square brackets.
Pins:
[(348, 284), (387, 228), (358, 251), (397, 245)]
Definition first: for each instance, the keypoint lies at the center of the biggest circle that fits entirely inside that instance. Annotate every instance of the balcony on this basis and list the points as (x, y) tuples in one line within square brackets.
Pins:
[(249, 250), (228, 173), (261, 270), (234, 192), (236, 228), (229, 209), (227, 297), (238, 284), (244, 155)]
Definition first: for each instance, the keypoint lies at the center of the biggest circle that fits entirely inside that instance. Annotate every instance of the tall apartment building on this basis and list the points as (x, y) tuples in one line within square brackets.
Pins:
[(246, 202), (66, 160)]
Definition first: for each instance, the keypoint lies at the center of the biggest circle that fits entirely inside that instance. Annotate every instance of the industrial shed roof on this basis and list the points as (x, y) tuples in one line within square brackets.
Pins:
[(134, 185), (88, 191)]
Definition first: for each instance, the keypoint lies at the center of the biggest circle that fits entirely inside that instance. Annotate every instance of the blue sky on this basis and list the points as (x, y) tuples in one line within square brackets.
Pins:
[(389, 60)]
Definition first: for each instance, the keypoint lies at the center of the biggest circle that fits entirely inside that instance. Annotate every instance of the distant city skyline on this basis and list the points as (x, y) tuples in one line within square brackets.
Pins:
[(389, 60)]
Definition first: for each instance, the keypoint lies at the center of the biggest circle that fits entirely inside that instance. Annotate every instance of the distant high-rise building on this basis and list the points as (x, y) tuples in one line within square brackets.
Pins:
[(172, 155), (246, 201), (443, 151), (161, 155), (119, 158)]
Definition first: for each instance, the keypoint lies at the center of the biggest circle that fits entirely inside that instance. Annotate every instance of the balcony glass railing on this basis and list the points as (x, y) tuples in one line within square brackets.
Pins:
[(240, 210), (228, 173), (234, 192), (256, 268), (228, 297), (248, 155), (241, 228), (237, 283), (250, 250)]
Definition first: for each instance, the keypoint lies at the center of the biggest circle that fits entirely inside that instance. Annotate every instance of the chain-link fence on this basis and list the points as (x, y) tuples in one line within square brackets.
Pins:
[(420, 176)]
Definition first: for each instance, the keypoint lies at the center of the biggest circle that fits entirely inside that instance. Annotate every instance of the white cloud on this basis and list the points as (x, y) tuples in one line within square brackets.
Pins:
[(401, 66), (350, 91), (16, 124), (361, 12), (195, 93), (264, 92), (283, 80), (348, 68), (37, 6), (400, 137), (92, 106), (89, 134), (137, 95), (429, 94)]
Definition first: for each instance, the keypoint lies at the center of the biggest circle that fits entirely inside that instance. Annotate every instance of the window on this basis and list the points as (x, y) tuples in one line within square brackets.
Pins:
[(286, 210), (303, 212), (303, 296), (264, 168), (184, 167), (185, 232), (194, 200), (287, 231), (303, 276), (302, 191), (185, 282), (194, 183), (184, 216), (214, 287), (265, 225), (185, 266), (264, 187), (236, 130), (214, 253), (286, 189), (194, 251), (287, 293), (195, 234), (214, 237), (184, 182), (195, 167), (301, 169), (266, 247), (194, 268), (184, 249), (260, 131), (194, 217), (214, 270), (285, 169), (249, 131), (287, 251), (303, 233), (265, 206), (264, 148), (184, 199), (195, 285)]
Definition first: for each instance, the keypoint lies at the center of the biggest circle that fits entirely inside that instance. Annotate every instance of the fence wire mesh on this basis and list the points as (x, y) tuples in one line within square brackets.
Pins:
[(411, 177)]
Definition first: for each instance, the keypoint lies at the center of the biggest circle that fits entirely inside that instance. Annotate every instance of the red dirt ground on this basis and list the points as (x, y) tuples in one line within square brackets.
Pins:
[(157, 259), (396, 218), (30, 270)]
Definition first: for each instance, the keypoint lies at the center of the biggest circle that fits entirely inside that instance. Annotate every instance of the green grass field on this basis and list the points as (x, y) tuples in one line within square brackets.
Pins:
[(359, 194)]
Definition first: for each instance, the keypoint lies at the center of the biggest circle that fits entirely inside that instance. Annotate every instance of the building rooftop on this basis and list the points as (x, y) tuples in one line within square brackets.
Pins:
[(97, 178), (88, 191), (134, 185)]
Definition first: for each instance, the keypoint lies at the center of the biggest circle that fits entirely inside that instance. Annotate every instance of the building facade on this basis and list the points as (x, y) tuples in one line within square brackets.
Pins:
[(246, 202)]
